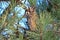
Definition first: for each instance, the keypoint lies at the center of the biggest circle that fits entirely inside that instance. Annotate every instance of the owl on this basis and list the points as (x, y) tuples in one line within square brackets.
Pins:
[(31, 16)]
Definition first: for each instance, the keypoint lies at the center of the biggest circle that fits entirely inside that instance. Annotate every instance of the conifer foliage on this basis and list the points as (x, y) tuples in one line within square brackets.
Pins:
[(30, 20)]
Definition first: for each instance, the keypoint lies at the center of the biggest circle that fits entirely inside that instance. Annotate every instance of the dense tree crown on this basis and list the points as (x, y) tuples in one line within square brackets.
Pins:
[(29, 19)]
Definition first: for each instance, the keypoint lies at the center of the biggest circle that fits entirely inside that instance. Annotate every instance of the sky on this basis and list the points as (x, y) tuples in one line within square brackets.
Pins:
[(21, 12)]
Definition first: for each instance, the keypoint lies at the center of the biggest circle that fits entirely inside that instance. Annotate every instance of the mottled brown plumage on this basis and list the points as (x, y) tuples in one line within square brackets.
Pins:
[(31, 17)]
